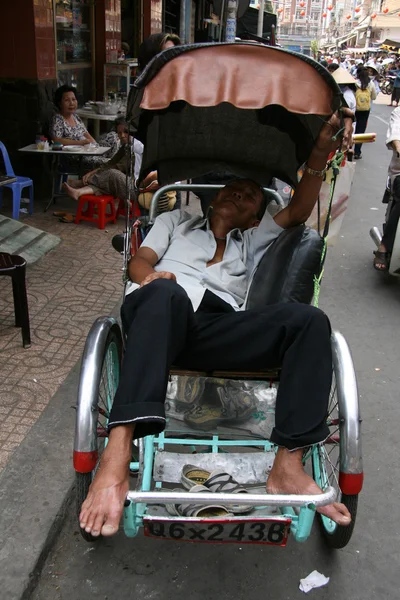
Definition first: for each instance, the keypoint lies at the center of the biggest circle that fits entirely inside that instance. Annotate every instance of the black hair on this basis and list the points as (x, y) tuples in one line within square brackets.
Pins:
[(324, 63), (59, 93), (152, 46), (332, 67), (363, 77), (120, 121)]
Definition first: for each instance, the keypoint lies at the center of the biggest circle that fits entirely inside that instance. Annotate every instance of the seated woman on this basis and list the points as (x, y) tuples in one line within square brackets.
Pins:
[(110, 178), (66, 127)]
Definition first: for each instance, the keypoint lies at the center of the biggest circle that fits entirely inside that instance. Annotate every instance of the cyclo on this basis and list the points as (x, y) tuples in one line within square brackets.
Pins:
[(191, 107)]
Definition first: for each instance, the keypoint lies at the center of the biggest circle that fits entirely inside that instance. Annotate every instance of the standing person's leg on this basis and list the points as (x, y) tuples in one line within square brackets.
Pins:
[(397, 95), (297, 338), (361, 126), (156, 319)]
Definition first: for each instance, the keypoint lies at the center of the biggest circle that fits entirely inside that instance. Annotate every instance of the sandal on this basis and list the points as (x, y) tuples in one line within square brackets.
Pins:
[(381, 262), (67, 218), (197, 510), (59, 213), (216, 481)]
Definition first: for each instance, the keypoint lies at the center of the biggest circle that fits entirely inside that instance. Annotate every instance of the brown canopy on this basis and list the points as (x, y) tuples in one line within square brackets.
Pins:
[(250, 110), (247, 76)]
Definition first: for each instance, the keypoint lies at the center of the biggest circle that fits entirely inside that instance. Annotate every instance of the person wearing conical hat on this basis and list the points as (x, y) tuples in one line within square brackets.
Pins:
[(348, 85)]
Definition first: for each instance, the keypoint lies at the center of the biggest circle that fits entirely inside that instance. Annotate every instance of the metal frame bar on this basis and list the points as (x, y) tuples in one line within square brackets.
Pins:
[(204, 498), (193, 187)]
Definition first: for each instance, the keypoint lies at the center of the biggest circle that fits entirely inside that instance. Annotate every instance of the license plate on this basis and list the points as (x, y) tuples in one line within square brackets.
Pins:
[(240, 531)]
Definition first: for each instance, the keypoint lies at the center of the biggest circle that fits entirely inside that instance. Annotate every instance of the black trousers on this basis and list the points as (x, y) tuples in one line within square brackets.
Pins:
[(163, 330), (394, 216), (361, 125)]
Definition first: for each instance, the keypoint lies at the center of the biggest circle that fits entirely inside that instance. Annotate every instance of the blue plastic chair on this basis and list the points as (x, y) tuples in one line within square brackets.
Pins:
[(17, 186)]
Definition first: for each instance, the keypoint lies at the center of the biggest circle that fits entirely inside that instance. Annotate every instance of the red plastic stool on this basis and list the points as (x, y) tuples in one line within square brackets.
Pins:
[(96, 211), (134, 210)]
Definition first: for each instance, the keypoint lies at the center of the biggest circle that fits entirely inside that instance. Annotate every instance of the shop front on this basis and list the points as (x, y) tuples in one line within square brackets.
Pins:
[(72, 42)]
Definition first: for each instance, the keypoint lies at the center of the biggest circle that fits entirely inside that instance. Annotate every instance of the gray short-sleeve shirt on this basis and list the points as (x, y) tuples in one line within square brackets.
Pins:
[(185, 244)]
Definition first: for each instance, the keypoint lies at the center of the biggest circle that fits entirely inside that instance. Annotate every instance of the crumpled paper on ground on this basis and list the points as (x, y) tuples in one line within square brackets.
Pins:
[(313, 580)]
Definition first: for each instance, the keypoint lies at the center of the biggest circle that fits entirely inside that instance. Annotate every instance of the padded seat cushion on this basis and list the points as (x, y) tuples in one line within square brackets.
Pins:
[(287, 269)]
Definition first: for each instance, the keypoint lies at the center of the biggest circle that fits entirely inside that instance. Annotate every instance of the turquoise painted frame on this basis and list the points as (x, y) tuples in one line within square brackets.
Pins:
[(302, 520)]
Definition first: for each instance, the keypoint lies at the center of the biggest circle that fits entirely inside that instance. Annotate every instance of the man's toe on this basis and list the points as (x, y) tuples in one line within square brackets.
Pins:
[(90, 520), (98, 524), (338, 513), (111, 524)]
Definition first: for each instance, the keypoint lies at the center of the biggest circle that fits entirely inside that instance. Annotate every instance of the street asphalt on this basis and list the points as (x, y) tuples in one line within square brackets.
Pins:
[(363, 305)]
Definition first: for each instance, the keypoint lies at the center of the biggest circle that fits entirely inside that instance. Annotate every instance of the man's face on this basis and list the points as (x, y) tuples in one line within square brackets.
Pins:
[(239, 202)]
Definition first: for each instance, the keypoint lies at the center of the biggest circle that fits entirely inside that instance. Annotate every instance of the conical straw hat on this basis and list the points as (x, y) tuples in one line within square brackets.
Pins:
[(341, 76)]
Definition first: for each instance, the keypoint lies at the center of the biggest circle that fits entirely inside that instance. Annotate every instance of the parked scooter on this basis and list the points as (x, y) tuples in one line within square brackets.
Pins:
[(387, 84)]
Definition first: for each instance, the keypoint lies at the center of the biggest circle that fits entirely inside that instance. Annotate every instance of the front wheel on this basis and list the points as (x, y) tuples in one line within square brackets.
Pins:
[(106, 386)]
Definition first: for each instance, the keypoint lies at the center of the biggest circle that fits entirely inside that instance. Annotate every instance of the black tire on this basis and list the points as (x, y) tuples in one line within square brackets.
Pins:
[(325, 463), (82, 484), (106, 387), (341, 536), (387, 87)]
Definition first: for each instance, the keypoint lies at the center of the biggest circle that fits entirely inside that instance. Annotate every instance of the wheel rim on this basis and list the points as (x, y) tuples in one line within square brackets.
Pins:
[(326, 456), (108, 386)]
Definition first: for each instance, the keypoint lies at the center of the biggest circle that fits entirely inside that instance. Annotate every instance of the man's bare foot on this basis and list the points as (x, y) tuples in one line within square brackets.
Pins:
[(288, 477), (102, 510), (72, 192)]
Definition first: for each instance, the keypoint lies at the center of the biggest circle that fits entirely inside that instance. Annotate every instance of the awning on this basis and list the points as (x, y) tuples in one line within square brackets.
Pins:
[(391, 43), (347, 38), (357, 50)]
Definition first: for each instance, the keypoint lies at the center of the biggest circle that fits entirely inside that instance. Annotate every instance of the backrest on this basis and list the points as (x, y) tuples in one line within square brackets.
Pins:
[(287, 269), (6, 158)]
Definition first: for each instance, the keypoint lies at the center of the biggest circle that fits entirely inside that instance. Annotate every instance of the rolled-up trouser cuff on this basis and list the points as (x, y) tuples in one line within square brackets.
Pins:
[(148, 417), (300, 441)]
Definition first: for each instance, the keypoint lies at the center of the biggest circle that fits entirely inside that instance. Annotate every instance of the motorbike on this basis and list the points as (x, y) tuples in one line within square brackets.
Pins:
[(387, 85)]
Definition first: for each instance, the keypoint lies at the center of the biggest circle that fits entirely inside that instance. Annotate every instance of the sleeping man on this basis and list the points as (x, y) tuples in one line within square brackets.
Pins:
[(189, 281)]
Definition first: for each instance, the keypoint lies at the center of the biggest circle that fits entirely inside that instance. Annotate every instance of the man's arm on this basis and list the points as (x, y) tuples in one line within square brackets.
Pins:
[(306, 194), (141, 265), (141, 268)]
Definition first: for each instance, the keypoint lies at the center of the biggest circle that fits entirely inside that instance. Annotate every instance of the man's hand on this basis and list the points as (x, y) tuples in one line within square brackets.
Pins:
[(157, 275), (85, 178), (329, 140)]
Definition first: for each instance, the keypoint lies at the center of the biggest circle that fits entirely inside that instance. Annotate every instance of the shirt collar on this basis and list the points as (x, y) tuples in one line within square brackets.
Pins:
[(204, 223)]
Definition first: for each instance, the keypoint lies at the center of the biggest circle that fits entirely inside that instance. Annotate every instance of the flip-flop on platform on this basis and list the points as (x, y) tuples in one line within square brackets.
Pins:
[(216, 481), (197, 510)]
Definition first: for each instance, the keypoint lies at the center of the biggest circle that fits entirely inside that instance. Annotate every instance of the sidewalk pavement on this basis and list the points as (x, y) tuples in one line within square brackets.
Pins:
[(78, 281), (383, 99), (68, 289)]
